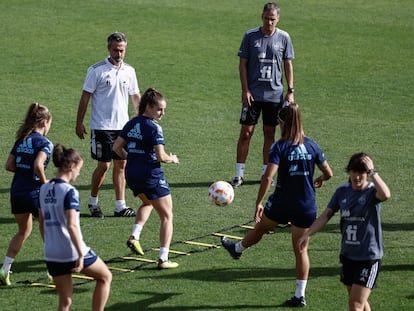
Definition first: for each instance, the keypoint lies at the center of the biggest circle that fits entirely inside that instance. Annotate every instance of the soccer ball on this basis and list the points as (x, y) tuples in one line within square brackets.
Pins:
[(221, 193)]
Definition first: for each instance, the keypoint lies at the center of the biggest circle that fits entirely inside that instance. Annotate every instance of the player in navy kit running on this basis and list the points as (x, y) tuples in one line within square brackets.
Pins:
[(28, 160), (141, 142), (293, 157), (359, 205), (64, 249)]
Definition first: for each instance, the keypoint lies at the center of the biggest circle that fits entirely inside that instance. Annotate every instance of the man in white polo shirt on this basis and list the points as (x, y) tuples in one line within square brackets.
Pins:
[(109, 84)]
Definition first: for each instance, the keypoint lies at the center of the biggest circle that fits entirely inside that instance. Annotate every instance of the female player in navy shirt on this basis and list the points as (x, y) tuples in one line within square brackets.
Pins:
[(141, 142), (294, 157), (28, 160), (359, 205), (64, 249)]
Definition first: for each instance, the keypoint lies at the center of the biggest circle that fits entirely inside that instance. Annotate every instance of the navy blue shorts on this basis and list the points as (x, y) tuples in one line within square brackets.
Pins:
[(285, 214), (62, 268), (156, 191), (364, 272), (25, 202), (250, 115), (101, 145)]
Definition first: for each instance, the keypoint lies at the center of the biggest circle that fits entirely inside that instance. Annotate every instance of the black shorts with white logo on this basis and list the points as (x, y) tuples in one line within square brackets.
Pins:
[(364, 272), (102, 142), (250, 115)]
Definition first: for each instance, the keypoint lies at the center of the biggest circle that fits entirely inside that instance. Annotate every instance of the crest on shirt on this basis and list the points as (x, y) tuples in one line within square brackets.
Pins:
[(362, 200)]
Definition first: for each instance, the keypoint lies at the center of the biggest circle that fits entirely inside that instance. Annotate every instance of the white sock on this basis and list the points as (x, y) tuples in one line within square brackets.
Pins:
[(240, 169), (7, 263), (93, 200), (120, 205), (164, 253), (239, 247), (300, 288), (136, 231), (264, 167)]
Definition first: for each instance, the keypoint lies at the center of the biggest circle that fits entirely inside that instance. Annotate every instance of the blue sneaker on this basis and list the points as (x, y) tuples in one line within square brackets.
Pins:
[(230, 246), (295, 302)]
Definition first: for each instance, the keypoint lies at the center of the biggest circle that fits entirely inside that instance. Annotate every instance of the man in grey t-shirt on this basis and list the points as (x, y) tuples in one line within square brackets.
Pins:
[(265, 53)]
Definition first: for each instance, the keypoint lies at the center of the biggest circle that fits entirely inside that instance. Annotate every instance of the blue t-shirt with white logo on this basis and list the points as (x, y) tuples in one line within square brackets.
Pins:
[(296, 166), (25, 152), (142, 134)]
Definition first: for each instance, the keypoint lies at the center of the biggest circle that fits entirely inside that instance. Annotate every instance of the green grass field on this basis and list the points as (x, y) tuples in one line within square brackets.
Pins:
[(353, 79)]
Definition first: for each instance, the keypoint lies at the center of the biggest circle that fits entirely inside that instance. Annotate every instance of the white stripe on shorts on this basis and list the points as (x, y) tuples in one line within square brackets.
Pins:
[(372, 275)]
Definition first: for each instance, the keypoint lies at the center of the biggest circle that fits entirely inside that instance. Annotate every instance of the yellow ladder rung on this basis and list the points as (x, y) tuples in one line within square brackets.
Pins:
[(246, 227), (251, 228), (228, 236), (174, 252), (79, 276), (201, 244), (139, 259), (43, 285), (120, 269)]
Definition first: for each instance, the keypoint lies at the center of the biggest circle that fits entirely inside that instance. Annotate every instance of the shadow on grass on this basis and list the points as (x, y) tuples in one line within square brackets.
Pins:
[(229, 275), (226, 275), (199, 184), (29, 266), (156, 298), (9, 220)]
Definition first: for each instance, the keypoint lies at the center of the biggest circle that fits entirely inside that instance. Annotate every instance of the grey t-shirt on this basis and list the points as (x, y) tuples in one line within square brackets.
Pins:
[(360, 222), (265, 55)]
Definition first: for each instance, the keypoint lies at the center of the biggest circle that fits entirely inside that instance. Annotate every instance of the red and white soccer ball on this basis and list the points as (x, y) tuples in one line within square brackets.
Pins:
[(221, 193)]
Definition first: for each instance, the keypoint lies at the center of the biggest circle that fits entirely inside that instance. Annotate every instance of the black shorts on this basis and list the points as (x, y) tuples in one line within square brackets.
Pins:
[(25, 202), (250, 115), (101, 145), (364, 272), (62, 268)]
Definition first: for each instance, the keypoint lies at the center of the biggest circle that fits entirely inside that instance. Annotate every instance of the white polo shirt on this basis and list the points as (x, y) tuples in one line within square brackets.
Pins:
[(110, 87)]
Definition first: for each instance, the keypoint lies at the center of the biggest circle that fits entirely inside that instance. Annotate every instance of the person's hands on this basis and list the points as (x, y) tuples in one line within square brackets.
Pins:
[(79, 265), (302, 242), (368, 163), (247, 99), (290, 98), (259, 213), (81, 131), (319, 181), (174, 158)]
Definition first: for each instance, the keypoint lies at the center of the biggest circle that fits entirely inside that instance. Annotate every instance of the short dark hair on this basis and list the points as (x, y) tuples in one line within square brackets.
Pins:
[(355, 163), (116, 36), (271, 6)]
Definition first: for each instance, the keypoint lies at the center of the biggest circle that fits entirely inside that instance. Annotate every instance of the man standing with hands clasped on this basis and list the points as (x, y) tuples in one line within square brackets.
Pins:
[(109, 84), (263, 53)]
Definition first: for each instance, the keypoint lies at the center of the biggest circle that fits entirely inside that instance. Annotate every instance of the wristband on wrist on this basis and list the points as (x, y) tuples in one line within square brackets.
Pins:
[(372, 172)]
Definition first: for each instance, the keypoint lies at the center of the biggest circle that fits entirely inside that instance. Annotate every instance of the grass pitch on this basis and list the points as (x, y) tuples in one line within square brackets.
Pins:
[(353, 80)]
